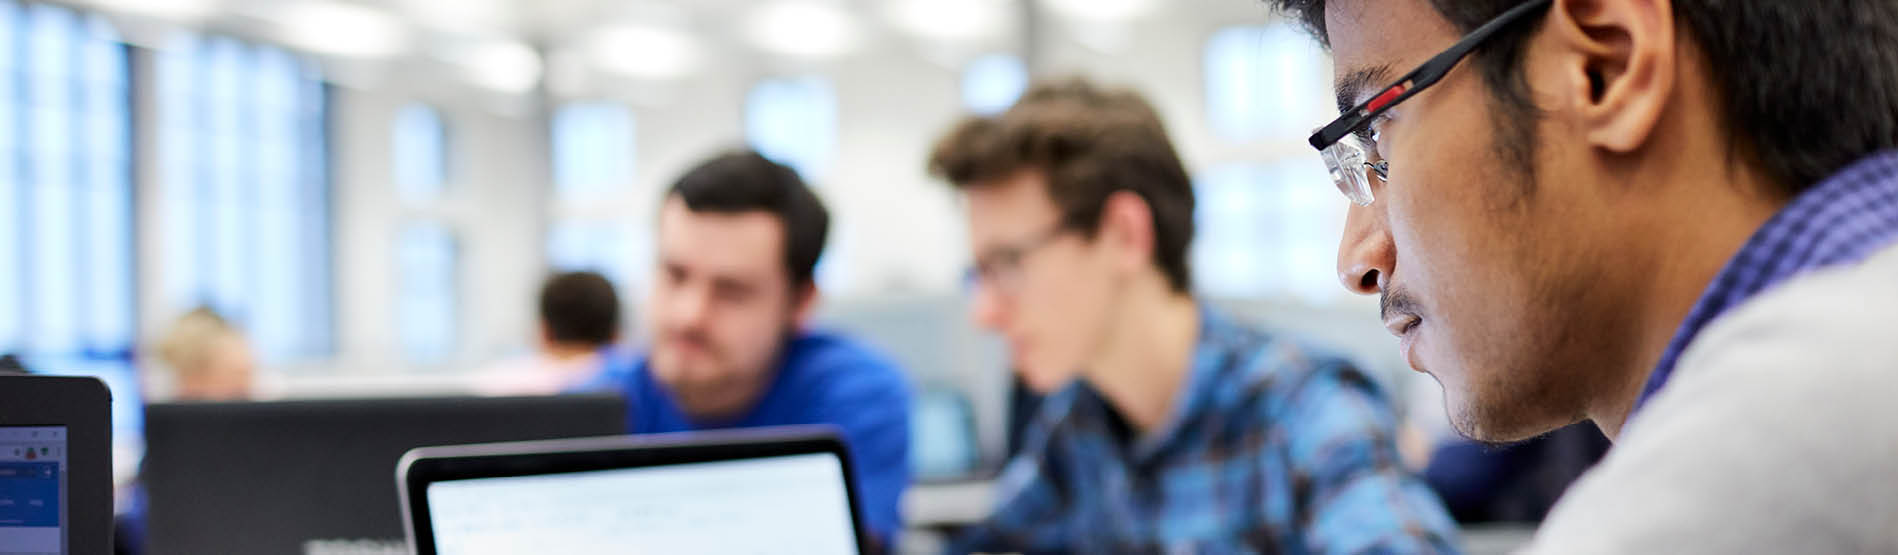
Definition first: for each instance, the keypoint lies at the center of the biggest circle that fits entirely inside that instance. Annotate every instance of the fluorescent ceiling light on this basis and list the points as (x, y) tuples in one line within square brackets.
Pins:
[(951, 20), (803, 29), (1101, 10), (464, 16), (173, 10), (335, 28), (644, 51), (499, 65)]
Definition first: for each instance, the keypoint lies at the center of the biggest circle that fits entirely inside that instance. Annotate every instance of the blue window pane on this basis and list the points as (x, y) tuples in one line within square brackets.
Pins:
[(52, 265), (10, 21), (426, 257), (108, 267), (12, 213), (992, 83), (107, 197), (65, 198), (1233, 252), (794, 122), (12, 287), (420, 152), (1264, 81), (1267, 231), (243, 198), (594, 246), (593, 147), (1311, 216)]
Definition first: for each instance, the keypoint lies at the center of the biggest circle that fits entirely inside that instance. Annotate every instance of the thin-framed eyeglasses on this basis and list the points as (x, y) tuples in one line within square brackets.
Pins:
[(1000, 268)]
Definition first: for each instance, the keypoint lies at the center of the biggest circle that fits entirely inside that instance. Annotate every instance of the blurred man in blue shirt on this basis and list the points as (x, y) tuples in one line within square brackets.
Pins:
[(1169, 427), (739, 238)]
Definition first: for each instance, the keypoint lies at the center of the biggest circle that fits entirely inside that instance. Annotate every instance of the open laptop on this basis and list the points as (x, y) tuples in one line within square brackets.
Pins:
[(312, 477), (765, 490), (55, 465)]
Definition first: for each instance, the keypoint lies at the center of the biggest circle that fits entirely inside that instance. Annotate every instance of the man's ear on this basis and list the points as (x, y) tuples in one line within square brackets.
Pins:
[(1617, 61), (1127, 226), (804, 304)]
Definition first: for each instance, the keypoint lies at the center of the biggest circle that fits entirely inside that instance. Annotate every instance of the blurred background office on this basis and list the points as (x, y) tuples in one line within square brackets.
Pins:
[(369, 194)]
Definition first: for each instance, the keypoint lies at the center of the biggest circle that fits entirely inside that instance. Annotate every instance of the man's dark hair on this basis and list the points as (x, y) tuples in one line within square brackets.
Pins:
[(1089, 142), (1806, 88), (580, 307), (745, 181)]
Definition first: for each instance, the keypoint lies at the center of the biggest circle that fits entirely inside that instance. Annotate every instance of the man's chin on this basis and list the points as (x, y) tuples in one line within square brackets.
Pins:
[(1496, 429)]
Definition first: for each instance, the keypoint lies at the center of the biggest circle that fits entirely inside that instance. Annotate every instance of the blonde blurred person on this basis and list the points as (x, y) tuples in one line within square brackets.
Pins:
[(203, 357)]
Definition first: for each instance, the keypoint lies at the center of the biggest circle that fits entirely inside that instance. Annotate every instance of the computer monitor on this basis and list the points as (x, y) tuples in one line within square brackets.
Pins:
[(55, 465), (313, 476), (756, 491)]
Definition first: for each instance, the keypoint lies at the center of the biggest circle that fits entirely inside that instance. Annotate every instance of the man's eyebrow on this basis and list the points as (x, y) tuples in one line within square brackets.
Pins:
[(1352, 85)]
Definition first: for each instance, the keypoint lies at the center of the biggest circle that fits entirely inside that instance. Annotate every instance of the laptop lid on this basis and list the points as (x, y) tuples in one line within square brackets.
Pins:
[(313, 476), (761, 490), (55, 465)]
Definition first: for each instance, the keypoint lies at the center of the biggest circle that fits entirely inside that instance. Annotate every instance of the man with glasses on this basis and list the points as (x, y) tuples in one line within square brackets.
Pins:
[(1673, 218), (1169, 426)]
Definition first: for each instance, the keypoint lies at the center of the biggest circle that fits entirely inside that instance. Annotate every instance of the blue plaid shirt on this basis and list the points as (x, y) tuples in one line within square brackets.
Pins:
[(1841, 220), (1270, 448)]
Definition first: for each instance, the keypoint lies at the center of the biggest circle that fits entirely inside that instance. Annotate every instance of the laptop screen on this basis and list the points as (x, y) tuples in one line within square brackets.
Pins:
[(756, 505), (32, 490)]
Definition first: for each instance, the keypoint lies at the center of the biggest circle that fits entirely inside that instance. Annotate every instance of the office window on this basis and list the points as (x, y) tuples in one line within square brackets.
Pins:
[(244, 194), (420, 154), (427, 252), (1265, 82), (606, 247), (66, 262), (1267, 230), (593, 148), (426, 256), (992, 83), (594, 151), (794, 122)]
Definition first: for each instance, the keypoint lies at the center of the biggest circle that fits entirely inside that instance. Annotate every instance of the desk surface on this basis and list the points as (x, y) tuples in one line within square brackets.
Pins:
[(948, 504), (933, 507)]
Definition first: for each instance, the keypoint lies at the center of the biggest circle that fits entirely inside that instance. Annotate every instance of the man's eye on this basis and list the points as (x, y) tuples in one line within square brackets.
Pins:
[(1375, 130), (1006, 258)]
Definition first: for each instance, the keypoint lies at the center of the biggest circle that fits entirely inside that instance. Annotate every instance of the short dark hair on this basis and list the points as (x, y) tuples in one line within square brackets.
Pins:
[(1825, 95), (745, 181), (1089, 142), (579, 307)]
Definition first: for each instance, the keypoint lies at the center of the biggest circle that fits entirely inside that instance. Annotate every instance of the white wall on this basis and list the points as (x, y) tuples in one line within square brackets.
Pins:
[(495, 201)]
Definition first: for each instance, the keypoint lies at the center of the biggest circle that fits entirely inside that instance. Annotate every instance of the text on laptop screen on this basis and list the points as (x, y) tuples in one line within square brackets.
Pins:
[(32, 490), (765, 505)]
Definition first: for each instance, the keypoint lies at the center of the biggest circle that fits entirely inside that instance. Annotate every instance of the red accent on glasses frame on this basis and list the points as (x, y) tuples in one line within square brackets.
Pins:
[(1388, 96)]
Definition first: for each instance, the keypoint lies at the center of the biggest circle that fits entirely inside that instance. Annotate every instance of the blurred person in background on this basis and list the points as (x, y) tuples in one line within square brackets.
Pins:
[(10, 365), (202, 357), (1675, 218), (1168, 426), (729, 313), (579, 324)]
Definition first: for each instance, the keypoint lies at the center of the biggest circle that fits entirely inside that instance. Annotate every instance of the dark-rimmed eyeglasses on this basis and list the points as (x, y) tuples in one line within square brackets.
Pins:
[(1347, 161)]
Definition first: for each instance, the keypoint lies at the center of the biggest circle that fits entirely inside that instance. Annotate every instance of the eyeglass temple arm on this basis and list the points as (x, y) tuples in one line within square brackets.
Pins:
[(1418, 79)]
